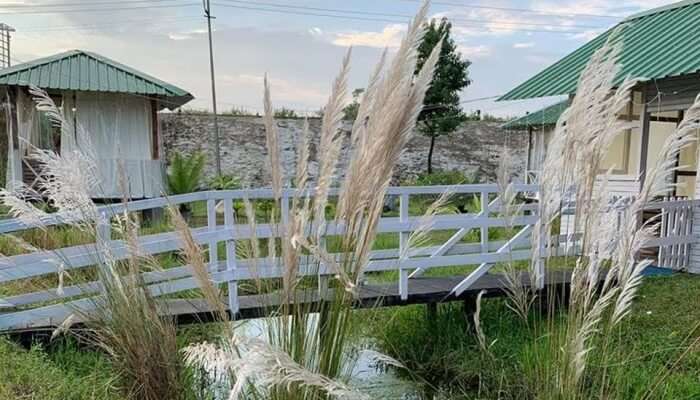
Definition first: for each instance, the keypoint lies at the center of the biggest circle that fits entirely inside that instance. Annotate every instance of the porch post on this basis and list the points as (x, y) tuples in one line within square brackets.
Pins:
[(694, 259), (528, 164), (644, 141)]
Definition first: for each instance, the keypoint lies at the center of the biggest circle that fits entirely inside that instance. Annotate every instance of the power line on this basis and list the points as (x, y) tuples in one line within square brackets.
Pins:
[(520, 10), (382, 14), (82, 10), (92, 3), (114, 23), (358, 18)]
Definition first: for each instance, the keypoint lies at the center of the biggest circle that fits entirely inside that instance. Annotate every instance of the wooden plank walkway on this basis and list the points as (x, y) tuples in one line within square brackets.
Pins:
[(422, 290)]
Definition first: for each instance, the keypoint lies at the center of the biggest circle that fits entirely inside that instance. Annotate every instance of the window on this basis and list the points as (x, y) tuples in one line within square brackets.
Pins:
[(617, 157), (622, 157)]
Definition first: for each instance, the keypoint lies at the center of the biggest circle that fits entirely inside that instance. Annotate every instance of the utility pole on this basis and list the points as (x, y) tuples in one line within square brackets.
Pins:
[(217, 149), (5, 58)]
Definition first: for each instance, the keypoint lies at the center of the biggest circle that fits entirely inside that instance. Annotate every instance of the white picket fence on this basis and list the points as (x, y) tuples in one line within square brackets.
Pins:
[(49, 308), (675, 232)]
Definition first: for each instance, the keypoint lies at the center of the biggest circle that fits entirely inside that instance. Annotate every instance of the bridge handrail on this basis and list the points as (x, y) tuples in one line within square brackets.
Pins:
[(110, 210), (233, 269)]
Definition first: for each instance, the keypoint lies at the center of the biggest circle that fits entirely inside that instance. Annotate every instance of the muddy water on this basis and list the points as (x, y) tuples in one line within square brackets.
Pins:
[(378, 383)]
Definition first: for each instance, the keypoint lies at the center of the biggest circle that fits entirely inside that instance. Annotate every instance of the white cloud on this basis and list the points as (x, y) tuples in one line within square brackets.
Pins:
[(597, 7), (186, 35), (539, 59), (390, 36), (283, 91), (472, 52), (487, 22), (315, 31), (523, 45), (586, 35)]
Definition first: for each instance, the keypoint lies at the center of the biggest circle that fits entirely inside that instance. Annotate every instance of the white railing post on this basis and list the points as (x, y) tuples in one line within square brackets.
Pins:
[(694, 256), (484, 229), (662, 234), (103, 231), (233, 303), (688, 233), (403, 246), (211, 225), (544, 239), (104, 228), (322, 278), (284, 209)]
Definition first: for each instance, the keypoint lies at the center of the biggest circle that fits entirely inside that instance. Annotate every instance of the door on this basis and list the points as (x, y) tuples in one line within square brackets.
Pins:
[(46, 135), (662, 125)]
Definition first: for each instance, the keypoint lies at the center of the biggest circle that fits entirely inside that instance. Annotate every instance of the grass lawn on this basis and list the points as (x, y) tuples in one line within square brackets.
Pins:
[(442, 352), (64, 373)]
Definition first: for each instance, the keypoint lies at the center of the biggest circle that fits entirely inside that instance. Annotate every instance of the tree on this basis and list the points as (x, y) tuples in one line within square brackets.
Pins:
[(285, 112), (350, 111), (442, 113)]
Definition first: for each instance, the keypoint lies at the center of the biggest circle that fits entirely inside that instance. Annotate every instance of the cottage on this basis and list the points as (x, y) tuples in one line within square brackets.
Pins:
[(661, 48), (116, 105)]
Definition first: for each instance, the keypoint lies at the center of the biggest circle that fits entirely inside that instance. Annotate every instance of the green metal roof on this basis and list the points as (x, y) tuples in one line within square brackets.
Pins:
[(658, 43), (546, 116), (85, 71)]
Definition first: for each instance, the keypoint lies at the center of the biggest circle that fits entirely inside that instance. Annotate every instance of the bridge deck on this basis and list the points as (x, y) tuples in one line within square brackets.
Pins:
[(422, 290)]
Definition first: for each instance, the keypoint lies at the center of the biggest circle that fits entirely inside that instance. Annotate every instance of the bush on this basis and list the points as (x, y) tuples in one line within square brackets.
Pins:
[(453, 177), (185, 173), (284, 112), (463, 202), (224, 182)]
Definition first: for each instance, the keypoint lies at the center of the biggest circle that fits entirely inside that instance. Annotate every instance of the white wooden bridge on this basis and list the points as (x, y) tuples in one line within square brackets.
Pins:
[(44, 309)]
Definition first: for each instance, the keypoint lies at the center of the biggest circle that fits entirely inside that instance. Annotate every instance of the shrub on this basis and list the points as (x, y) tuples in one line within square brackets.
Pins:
[(453, 177), (224, 182), (463, 202), (185, 173), (284, 112)]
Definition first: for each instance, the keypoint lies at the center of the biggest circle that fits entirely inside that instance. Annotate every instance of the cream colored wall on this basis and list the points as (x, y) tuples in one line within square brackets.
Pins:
[(617, 156), (658, 133), (687, 161)]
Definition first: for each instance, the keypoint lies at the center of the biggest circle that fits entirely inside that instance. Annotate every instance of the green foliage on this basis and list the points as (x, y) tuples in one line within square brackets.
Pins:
[(285, 113), (479, 116), (453, 177), (443, 351), (63, 374), (442, 113), (240, 112), (464, 202), (350, 111), (224, 182), (193, 111), (185, 173)]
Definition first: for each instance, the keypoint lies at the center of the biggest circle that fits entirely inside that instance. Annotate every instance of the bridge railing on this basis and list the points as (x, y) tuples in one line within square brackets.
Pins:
[(51, 306)]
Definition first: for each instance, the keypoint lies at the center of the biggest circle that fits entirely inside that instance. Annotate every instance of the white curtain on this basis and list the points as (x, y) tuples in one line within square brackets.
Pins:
[(27, 119), (119, 125), (120, 132), (119, 128)]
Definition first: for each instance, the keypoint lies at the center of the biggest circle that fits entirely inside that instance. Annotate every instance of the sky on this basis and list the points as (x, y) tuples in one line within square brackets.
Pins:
[(300, 43)]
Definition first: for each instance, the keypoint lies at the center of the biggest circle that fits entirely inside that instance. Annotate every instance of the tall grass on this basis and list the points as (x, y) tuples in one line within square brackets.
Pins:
[(307, 352), (608, 272), (124, 320)]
